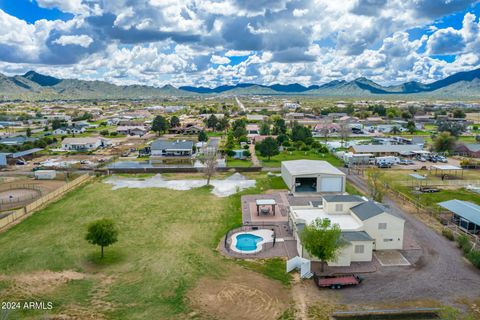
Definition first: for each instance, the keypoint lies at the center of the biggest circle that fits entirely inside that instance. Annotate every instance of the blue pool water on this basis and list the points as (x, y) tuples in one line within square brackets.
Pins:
[(247, 242)]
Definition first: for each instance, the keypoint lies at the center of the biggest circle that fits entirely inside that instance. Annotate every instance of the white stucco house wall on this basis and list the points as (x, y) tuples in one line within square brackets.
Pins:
[(366, 226), (84, 144), (312, 176)]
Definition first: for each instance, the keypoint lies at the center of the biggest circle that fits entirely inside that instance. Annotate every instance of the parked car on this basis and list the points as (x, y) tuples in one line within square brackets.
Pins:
[(384, 165), (421, 159), (337, 282), (405, 162), (442, 159)]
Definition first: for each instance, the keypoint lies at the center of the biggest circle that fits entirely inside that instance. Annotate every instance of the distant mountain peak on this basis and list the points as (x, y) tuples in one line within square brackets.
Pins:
[(41, 79), (35, 86)]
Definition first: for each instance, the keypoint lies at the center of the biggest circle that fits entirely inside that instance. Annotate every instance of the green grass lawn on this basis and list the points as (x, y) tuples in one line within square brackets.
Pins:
[(238, 162), (297, 155), (166, 244)]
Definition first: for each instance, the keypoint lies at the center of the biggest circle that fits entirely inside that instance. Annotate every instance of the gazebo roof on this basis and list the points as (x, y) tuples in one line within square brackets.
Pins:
[(266, 202)]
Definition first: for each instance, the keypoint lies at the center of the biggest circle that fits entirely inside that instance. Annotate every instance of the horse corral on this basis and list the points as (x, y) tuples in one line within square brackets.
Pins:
[(20, 192)]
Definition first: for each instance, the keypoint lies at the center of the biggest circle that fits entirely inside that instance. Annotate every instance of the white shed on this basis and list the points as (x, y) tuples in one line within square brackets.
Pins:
[(45, 174), (312, 176)]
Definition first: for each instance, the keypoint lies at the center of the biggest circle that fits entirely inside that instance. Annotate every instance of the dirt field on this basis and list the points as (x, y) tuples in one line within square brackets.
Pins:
[(242, 295)]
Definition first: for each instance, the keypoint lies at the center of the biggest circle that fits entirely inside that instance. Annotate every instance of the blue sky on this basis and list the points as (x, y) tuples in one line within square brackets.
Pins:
[(214, 42)]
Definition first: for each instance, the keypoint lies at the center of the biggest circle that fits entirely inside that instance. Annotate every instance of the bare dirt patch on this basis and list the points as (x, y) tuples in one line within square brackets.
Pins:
[(241, 295), (40, 282)]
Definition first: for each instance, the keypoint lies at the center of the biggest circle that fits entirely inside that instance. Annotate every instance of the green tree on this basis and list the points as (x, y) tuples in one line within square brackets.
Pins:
[(265, 128), (29, 132), (102, 233), (202, 136), (230, 144), (223, 124), (279, 126), (322, 240), (444, 142), (159, 125), (459, 113), (406, 115), (268, 147), (281, 139), (300, 133), (174, 122), (56, 123), (395, 130), (411, 127), (212, 122), (374, 181), (239, 132), (455, 128)]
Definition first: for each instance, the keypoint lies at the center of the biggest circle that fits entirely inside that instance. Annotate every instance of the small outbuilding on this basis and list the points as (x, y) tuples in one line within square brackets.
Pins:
[(312, 176), (466, 215)]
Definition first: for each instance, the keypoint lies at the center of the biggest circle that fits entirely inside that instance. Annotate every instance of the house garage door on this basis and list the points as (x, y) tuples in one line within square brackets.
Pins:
[(331, 184)]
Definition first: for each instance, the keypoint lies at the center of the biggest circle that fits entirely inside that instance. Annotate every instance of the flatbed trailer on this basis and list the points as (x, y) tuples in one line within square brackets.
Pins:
[(337, 282)]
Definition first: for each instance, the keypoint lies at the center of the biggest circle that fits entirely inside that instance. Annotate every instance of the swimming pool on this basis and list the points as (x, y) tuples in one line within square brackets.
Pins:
[(247, 242), (250, 241)]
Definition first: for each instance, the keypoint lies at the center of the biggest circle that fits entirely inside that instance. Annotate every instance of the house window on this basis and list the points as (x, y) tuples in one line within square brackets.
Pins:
[(359, 248), (339, 207), (387, 240), (382, 226)]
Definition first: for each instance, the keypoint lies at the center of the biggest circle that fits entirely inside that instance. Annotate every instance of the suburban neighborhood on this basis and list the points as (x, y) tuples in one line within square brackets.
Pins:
[(240, 160)]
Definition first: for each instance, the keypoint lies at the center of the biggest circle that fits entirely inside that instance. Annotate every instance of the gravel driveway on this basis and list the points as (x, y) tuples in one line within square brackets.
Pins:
[(438, 270)]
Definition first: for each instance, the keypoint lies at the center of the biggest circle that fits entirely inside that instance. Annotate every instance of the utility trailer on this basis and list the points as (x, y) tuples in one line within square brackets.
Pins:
[(337, 282)]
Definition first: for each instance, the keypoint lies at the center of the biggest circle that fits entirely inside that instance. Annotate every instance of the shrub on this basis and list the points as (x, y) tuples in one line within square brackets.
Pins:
[(104, 132), (291, 149), (246, 153), (246, 147), (286, 143), (230, 152), (448, 234), (323, 149), (474, 257), (306, 148), (464, 243)]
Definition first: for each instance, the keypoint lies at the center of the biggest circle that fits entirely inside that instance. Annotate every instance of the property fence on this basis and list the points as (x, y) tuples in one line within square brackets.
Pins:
[(474, 239), (441, 183), (173, 169), (9, 218)]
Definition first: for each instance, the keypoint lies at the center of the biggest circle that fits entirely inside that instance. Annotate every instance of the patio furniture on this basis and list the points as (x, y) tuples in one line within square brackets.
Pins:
[(261, 203)]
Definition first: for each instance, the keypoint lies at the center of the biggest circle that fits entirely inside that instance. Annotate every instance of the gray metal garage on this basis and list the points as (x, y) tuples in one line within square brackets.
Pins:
[(310, 176)]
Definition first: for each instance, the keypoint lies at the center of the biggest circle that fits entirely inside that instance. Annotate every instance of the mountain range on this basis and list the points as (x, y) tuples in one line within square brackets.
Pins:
[(36, 86)]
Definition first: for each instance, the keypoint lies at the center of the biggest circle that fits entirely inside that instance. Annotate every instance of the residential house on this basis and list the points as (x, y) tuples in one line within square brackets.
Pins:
[(366, 226), (132, 130), (84, 144), (385, 150), (171, 148), (468, 149), (69, 130)]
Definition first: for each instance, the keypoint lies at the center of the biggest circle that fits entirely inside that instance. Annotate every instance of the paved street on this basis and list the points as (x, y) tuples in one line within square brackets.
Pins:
[(438, 270)]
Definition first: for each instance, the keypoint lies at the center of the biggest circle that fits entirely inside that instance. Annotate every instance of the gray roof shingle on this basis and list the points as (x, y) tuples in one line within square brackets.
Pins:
[(356, 236), (162, 144), (367, 210), (343, 198)]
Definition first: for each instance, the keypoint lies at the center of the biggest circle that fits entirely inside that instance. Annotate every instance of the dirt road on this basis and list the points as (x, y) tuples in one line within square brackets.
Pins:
[(438, 271)]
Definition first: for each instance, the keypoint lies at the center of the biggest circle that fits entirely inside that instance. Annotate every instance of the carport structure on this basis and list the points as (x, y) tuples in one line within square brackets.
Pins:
[(444, 169), (262, 203), (418, 178), (466, 215)]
